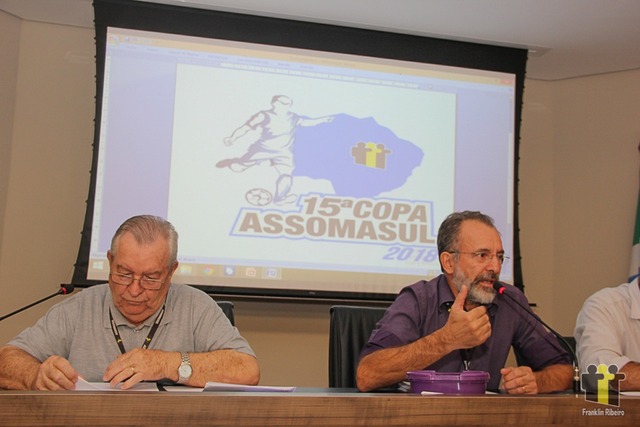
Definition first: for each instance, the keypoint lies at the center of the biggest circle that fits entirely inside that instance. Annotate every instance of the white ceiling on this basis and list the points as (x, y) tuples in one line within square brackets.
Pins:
[(566, 38)]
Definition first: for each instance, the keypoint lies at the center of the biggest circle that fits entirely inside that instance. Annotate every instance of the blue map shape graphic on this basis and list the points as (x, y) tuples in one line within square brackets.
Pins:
[(324, 152)]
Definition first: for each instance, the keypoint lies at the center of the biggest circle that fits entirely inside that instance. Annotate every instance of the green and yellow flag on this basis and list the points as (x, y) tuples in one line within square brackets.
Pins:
[(635, 249), (634, 268)]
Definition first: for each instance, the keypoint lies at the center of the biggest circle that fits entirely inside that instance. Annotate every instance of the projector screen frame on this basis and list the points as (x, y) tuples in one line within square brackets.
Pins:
[(304, 35)]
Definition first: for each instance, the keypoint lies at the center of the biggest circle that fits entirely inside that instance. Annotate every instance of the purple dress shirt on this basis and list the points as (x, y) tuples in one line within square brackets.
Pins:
[(423, 308)]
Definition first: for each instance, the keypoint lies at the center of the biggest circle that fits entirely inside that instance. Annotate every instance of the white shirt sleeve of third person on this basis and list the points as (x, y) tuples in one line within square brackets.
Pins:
[(601, 327)]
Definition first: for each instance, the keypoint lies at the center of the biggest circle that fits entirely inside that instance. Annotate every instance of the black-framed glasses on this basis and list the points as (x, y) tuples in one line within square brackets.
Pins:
[(145, 282), (483, 257)]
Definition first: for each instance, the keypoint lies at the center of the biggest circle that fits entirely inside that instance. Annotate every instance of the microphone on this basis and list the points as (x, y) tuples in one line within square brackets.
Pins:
[(501, 289), (64, 290)]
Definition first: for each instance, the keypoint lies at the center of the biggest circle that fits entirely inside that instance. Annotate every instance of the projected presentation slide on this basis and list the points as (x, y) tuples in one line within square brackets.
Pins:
[(293, 169)]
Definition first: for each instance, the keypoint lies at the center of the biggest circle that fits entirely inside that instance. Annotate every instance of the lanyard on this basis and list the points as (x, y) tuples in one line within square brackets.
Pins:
[(465, 353), (147, 340)]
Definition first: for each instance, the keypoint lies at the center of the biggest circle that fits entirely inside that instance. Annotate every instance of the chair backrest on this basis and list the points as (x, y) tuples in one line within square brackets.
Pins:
[(227, 308), (349, 330), (571, 341)]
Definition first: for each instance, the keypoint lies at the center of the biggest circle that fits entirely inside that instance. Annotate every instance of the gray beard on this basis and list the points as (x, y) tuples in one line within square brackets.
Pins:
[(477, 293)]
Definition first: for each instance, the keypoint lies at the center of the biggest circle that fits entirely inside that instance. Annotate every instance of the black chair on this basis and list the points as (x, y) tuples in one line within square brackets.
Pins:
[(227, 308), (349, 330), (571, 341)]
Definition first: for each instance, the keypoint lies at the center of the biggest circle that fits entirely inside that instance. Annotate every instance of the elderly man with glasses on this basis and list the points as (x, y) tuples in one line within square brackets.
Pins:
[(454, 322), (138, 327)]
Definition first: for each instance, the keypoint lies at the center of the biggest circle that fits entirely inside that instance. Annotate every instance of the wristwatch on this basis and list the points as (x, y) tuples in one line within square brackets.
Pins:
[(184, 370)]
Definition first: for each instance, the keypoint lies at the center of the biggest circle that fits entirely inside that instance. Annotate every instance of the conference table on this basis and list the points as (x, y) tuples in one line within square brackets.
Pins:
[(312, 407)]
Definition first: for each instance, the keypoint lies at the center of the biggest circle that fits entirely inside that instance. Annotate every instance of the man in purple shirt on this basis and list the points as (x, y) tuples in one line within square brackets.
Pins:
[(455, 321)]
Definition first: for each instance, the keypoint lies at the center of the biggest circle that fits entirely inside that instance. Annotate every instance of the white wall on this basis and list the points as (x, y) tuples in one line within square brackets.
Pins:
[(578, 188), (49, 153), (9, 50)]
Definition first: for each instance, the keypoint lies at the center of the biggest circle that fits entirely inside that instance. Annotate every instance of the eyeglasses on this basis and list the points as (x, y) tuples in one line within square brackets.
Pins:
[(145, 282), (483, 257)]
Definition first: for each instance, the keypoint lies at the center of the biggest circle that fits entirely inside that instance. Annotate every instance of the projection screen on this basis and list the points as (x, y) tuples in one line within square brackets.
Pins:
[(290, 170)]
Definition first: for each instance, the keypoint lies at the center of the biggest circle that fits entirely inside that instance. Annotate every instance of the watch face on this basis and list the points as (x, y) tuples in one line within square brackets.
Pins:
[(184, 371)]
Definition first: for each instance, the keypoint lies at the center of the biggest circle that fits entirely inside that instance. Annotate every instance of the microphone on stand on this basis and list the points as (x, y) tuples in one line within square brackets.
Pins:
[(64, 290), (501, 289)]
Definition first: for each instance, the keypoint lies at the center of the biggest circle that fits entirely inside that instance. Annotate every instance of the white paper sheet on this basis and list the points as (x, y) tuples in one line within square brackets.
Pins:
[(214, 386), (84, 385)]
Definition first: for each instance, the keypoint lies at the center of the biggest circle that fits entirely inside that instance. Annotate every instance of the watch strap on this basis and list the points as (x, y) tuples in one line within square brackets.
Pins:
[(186, 361)]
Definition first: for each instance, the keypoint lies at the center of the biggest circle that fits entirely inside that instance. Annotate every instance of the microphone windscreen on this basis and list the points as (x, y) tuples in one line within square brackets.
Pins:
[(499, 287), (66, 289)]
